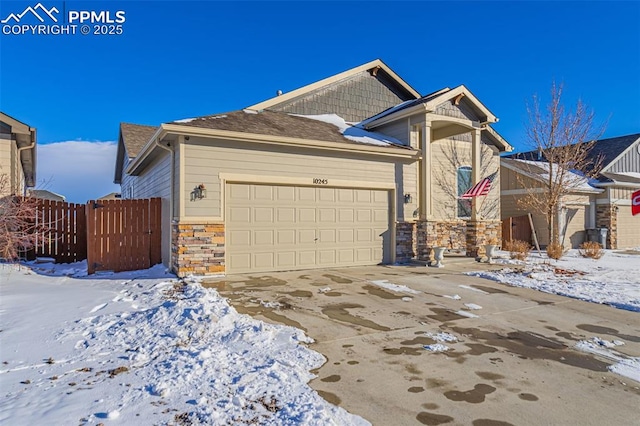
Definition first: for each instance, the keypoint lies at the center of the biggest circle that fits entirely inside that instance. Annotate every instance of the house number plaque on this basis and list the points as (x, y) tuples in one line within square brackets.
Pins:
[(320, 181)]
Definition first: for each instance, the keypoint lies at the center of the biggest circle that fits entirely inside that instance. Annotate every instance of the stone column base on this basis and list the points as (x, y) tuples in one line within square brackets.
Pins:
[(405, 241), (198, 249), (607, 217), (480, 233)]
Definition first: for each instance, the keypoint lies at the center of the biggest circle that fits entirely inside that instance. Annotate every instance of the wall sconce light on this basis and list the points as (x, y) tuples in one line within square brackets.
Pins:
[(408, 199), (199, 192)]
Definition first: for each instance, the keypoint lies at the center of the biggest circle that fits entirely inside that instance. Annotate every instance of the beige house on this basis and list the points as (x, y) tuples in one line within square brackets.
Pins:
[(17, 155), (604, 203), (356, 169)]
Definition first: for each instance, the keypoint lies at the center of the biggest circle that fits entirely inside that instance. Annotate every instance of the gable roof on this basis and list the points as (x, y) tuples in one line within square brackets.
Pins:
[(133, 137), (321, 128), (376, 66), (429, 103), (539, 171), (609, 150)]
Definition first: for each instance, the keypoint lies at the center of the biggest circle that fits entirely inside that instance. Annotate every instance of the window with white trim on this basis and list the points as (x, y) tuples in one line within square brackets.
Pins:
[(463, 179)]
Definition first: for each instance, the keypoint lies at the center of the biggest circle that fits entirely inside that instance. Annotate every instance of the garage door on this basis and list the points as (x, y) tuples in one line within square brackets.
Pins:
[(628, 228), (278, 228)]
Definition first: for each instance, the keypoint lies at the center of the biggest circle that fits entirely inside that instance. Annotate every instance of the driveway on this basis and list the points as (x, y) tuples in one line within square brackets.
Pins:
[(514, 361)]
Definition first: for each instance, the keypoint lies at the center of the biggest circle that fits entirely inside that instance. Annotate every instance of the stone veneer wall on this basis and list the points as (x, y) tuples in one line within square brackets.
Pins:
[(449, 234), (198, 249), (405, 241), (480, 233), (607, 217)]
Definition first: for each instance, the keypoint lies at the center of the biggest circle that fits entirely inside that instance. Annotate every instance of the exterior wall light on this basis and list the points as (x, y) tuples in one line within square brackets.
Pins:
[(408, 199), (199, 192)]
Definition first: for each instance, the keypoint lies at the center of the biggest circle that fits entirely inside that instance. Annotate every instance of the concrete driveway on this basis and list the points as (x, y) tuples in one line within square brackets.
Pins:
[(514, 362)]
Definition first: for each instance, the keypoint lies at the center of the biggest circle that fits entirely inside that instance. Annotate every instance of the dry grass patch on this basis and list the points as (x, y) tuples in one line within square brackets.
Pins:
[(591, 249), (519, 249)]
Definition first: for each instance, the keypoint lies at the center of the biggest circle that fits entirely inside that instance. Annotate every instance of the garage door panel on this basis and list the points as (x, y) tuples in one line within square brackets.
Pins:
[(263, 237), (264, 260), (272, 227), (285, 215), (262, 192), (262, 215), (240, 214), (285, 193), (286, 236), (239, 238)]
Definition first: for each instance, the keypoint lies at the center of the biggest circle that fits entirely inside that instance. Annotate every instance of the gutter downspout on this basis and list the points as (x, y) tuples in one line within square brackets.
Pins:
[(171, 193), (32, 131)]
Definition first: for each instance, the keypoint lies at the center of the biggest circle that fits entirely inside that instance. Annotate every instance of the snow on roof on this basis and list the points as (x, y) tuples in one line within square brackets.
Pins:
[(540, 171), (353, 133)]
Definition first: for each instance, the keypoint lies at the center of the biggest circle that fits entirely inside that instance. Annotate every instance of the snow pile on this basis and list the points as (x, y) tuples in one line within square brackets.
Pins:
[(437, 347), (454, 297), (613, 280), (439, 338), (625, 366), (394, 287), (137, 349), (355, 134), (472, 306)]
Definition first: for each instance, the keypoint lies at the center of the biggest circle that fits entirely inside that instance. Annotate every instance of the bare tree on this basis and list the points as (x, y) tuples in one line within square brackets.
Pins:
[(20, 229), (562, 139), (456, 157)]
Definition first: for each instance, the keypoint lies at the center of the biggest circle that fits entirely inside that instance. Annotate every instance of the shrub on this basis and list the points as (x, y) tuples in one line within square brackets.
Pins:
[(554, 251), (591, 249), (519, 249)]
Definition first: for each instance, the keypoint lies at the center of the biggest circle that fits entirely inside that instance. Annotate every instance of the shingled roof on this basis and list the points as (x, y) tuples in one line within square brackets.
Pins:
[(284, 125), (135, 136)]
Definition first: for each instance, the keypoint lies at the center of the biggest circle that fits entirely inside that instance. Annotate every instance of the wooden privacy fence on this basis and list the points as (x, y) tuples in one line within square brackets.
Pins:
[(113, 235), (63, 231), (123, 235)]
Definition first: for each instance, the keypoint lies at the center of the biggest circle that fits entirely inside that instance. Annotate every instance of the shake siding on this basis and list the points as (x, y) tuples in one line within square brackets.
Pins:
[(629, 162), (354, 99), (462, 110), (204, 162)]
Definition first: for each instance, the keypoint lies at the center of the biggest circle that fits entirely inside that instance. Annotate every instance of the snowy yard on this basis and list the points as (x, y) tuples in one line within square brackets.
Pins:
[(613, 279), (143, 348)]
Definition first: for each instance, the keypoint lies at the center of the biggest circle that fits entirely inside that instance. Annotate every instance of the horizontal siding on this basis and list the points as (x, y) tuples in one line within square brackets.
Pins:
[(575, 233), (629, 162), (203, 164), (623, 195), (509, 179)]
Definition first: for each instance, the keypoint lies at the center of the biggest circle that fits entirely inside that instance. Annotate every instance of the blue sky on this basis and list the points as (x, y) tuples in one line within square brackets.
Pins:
[(179, 59)]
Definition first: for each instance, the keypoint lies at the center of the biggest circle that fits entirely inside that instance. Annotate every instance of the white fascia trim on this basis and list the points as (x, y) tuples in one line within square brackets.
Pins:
[(631, 185), (337, 77)]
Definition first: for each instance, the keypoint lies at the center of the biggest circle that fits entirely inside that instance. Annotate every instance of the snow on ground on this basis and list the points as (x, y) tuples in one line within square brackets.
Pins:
[(624, 366), (613, 279), (145, 348), (394, 287)]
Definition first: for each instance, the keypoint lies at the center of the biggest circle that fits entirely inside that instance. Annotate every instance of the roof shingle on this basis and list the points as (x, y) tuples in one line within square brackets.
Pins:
[(135, 136)]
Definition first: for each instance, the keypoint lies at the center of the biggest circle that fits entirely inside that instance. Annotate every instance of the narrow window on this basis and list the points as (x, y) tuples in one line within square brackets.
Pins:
[(464, 183)]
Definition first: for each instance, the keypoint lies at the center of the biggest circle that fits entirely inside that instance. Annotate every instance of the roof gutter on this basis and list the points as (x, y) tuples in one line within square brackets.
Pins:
[(32, 145), (165, 129)]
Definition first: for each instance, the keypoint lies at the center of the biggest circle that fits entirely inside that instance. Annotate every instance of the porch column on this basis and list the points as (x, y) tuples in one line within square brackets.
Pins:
[(475, 169), (425, 171)]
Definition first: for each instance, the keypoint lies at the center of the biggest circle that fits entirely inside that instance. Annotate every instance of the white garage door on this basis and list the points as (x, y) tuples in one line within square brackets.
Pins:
[(628, 228), (278, 228)]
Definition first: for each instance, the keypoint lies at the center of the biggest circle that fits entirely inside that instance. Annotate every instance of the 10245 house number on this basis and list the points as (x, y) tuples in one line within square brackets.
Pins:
[(320, 181)]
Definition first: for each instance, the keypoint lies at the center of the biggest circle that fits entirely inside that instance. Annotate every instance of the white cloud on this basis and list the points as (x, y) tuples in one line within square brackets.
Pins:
[(79, 170)]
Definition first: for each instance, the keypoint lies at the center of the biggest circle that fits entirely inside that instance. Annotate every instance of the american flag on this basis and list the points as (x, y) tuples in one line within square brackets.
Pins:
[(480, 188)]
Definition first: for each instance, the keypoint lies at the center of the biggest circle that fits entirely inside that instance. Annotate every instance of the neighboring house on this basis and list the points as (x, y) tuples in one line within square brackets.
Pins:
[(288, 184), (608, 206), (46, 195), (520, 179), (111, 196), (17, 155)]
